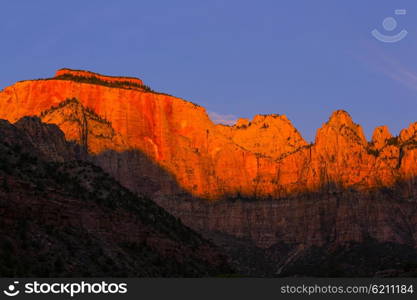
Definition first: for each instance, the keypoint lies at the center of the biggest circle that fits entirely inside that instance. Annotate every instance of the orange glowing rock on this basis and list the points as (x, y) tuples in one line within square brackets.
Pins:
[(269, 135), (265, 157), (381, 136)]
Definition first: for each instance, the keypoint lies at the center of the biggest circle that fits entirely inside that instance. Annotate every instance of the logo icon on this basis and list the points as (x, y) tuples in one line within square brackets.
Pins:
[(11, 290), (390, 24)]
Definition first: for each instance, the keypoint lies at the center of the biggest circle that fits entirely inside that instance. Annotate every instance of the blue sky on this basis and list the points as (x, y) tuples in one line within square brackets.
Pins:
[(301, 58)]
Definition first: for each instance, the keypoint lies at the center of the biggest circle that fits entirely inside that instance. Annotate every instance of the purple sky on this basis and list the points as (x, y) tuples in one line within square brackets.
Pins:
[(236, 58)]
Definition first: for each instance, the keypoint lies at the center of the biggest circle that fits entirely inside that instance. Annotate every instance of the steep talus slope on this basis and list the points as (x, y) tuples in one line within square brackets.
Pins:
[(84, 126), (72, 219)]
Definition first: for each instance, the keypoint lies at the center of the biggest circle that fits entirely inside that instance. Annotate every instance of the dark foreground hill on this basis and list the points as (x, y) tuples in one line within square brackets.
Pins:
[(63, 216)]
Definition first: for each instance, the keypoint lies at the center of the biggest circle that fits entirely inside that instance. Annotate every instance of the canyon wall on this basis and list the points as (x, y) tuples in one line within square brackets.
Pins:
[(262, 180), (262, 158), (310, 220)]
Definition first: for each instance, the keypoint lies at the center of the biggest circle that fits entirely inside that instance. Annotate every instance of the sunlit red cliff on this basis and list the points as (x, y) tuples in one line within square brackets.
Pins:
[(341, 205), (264, 157)]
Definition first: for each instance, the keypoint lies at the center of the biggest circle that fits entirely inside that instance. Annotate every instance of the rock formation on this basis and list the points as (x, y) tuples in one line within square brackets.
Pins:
[(69, 74), (264, 157), (257, 180)]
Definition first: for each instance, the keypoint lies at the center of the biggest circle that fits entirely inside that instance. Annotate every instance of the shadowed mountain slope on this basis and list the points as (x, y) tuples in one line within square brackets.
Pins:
[(69, 218)]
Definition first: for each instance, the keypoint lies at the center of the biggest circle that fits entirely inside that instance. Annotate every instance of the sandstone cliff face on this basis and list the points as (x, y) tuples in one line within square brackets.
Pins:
[(176, 134), (84, 126), (340, 189), (380, 137), (265, 157)]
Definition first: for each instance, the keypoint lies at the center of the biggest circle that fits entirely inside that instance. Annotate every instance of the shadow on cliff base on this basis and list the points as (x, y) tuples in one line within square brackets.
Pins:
[(64, 218), (332, 231), (294, 235), (139, 173)]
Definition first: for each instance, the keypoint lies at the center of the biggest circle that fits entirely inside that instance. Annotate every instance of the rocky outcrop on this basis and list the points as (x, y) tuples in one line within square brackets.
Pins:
[(269, 135), (409, 134), (129, 81), (380, 137), (82, 125), (50, 140)]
